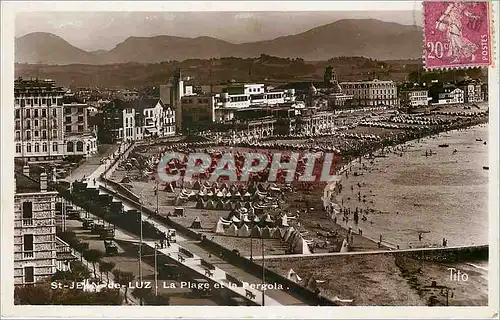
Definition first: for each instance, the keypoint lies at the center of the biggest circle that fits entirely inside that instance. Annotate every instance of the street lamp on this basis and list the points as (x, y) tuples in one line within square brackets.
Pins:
[(263, 271), (140, 244), (156, 270)]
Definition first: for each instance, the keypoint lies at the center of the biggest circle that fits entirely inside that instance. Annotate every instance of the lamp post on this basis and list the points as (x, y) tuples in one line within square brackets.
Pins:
[(263, 272), (140, 244), (251, 246), (156, 270)]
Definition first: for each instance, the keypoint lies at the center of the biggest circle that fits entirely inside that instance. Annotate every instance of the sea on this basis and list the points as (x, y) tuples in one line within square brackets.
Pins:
[(443, 195)]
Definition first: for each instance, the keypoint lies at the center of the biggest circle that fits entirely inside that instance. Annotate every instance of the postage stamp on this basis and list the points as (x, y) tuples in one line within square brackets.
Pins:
[(457, 34), (301, 158)]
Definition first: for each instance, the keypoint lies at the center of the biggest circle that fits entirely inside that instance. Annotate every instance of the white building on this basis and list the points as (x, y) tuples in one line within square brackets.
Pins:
[(472, 90), (415, 97), (451, 95), (47, 128), (372, 93), (242, 96)]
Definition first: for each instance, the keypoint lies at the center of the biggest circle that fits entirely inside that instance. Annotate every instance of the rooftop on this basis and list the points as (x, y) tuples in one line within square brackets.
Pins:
[(26, 184)]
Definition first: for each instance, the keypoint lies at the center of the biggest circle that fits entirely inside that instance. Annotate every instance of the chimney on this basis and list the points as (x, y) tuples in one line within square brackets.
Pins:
[(26, 170), (43, 182)]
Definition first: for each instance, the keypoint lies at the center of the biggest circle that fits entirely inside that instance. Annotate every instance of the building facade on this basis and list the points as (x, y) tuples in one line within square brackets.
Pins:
[(472, 91), (414, 97), (47, 128), (35, 252), (450, 95), (372, 93)]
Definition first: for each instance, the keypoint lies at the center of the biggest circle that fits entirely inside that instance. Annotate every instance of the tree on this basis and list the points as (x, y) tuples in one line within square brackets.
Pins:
[(81, 247), (106, 267), (93, 256)]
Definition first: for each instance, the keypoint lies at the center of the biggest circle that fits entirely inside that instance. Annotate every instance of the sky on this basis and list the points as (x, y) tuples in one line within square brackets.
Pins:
[(104, 30)]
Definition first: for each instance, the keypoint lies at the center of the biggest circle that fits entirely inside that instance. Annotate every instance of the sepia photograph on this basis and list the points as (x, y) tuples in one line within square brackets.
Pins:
[(250, 155)]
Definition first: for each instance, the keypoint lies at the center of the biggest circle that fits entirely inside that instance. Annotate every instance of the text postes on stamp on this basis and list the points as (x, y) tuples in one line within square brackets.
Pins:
[(457, 34)]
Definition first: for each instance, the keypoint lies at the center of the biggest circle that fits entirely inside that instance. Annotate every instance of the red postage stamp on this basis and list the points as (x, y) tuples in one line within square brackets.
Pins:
[(457, 34)]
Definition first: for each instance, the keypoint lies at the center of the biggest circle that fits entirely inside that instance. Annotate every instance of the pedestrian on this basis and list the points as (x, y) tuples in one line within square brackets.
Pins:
[(94, 181), (161, 243), (420, 236)]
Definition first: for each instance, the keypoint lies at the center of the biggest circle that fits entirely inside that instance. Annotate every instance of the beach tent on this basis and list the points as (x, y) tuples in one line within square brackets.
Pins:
[(206, 184), (224, 186), (266, 233), (197, 185), (256, 219), (293, 276), (235, 219), (300, 246), (224, 221), (345, 247), (288, 234), (284, 220), (237, 195), (275, 233), (282, 232), (226, 205), (169, 188), (246, 219), (232, 230), (220, 194), (200, 204), (196, 224), (247, 195), (219, 227), (210, 205), (244, 231), (187, 185), (219, 205), (256, 232), (268, 220)]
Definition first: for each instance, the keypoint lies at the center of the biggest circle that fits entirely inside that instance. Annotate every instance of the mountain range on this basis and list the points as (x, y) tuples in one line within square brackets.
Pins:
[(348, 37)]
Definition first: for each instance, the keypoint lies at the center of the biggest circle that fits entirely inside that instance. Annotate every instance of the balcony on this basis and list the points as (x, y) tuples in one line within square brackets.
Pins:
[(27, 222), (28, 254)]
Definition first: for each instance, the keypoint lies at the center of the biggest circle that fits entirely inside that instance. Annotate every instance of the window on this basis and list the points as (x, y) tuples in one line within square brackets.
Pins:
[(54, 112), (37, 133), (35, 113), (54, 146), (28, 134), (54, 123), (44, 101), (36, 101), (80, 128), (44, 123), (67, 120), (17, 101), (79, 146), (28, 113), (17, 114), (27, 213), (18, 148), (44, 113), (80, 118), (67, 110), (29, 274), (68, 128), (37, 147), (54, 134), (70, 147), (44, 147), (44, 134), (18, 135), (126, 122), (28, 124), (36, 122), (28, 245), (18, 124), (80, 110)]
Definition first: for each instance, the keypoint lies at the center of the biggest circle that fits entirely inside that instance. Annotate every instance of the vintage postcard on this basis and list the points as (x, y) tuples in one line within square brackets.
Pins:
[(260, 159)]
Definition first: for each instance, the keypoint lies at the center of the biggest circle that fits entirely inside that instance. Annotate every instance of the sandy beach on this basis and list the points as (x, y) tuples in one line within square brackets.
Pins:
[(439, 196)]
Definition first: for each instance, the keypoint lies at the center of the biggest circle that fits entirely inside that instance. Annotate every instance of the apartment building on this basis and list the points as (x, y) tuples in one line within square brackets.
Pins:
[(414, 97), (35, 251), (46, 127), (472, 90), (372, 93)]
